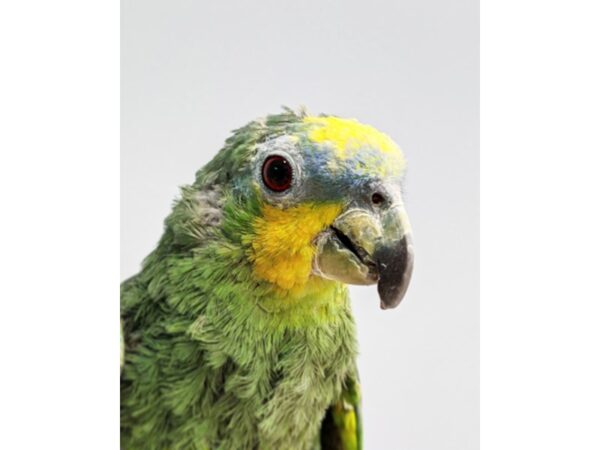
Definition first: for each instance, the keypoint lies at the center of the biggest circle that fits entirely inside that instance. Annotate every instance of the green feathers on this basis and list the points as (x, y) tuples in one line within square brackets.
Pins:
[(209, 368)]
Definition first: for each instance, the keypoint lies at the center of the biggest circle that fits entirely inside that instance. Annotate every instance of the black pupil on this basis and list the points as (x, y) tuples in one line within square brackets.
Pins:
[(277, 173), (377, 198)]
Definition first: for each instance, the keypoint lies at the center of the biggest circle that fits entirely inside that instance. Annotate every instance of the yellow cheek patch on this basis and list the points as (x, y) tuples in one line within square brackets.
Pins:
[(348, 136), (282, 243)]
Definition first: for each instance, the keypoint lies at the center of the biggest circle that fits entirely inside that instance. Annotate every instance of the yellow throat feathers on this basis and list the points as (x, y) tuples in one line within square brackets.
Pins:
[(282, 244)]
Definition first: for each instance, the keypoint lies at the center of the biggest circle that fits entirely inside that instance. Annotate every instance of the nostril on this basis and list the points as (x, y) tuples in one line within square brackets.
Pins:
[(377, 198)]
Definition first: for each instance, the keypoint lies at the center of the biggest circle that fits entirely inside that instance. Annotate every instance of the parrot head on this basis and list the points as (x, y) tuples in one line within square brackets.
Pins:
[(315, 200)]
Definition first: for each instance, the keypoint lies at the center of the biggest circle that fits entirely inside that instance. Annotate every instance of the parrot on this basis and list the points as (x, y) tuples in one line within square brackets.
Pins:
[(238, 333)]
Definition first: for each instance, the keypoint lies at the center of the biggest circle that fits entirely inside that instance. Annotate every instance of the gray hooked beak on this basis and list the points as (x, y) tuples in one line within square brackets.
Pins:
[(366, 247)]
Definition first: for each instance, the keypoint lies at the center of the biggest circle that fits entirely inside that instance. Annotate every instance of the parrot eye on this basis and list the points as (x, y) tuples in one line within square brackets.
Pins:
[(277, 173)]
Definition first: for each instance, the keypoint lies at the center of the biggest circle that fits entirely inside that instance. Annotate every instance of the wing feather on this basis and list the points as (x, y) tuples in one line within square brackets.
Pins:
[(342, 425)]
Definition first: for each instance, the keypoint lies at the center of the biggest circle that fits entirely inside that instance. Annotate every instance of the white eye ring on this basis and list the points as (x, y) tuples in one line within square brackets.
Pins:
[(284, 147)]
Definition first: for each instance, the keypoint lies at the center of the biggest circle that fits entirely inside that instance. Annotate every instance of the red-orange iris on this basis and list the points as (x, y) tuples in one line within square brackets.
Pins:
[(277, 173)]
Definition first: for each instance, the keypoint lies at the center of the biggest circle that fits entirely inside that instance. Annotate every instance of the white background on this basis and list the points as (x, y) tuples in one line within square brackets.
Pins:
[(59, 186), (193, 71)]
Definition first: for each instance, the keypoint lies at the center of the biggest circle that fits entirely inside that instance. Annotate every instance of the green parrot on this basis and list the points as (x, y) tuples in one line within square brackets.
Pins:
[(238, 332)]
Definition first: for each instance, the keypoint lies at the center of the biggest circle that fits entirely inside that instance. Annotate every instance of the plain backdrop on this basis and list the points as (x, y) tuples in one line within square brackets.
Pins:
[(192, 71)]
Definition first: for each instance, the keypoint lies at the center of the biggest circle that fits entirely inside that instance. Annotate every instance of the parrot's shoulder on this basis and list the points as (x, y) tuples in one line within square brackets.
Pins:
[(196, 216)]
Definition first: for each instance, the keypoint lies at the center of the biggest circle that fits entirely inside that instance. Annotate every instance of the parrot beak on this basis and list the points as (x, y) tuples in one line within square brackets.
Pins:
[(366, 247)]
